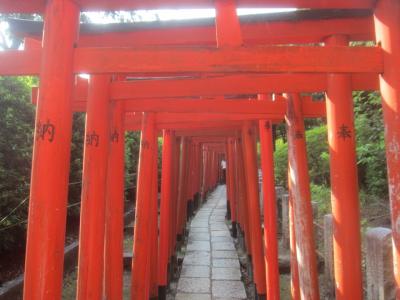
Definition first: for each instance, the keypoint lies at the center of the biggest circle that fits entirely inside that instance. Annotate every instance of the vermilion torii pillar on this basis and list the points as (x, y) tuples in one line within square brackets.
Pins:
[(166, 211), (190, 181), (94, 178), (175, 192), (231, 183), (141, 242), (196, 180), (114, 233), (301, 197), (243, 199), (294, 268), (344, 183), (154, 226), (51, 155), (251, 171), (387, 27), (181, 211), (270, 218)]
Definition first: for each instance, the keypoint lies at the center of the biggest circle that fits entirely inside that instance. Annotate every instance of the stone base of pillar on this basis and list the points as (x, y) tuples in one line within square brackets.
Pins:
[(162, 293), (260, 297), (189, 209), (228, 210), (285, 221), (234, 230)]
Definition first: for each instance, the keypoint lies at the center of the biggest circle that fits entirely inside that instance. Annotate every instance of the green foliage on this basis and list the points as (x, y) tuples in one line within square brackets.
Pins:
[(76, 162), (17, 116), (370, 152), (318, 155), (281, 162), (16, 135), (318, 158), (322, 195), (370, 143), (132, 145)]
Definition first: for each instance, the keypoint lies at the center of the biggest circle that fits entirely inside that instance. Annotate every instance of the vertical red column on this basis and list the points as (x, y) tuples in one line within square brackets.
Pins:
[(344, 183), (300, 193), (181, 188), (230, 183), (51, 154), (141, 243), (294, 268), (197, 175), (270, 218), (238, 200), (185, 187), (93, 199), (114, 235), (243, 196), (189, 181), (154, 227), (204, 175), (165, 215), (175, 207), (227, 24), (250, 160), (214, 169), (387, 27)]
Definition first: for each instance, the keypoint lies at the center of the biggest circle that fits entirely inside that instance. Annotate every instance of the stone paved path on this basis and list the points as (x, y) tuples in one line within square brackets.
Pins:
[(211, 267)]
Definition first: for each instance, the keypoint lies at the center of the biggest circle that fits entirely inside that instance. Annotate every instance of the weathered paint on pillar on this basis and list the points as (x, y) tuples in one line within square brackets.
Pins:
[(301, 198), (51, 155), (250, 160), (141, 243), (387, 27), (294, 268), (114, 234), (165, 210), (344, 182), (270, 209)]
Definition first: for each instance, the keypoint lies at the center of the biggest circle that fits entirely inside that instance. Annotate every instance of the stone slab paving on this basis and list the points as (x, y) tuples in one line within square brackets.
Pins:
[(211, 269)]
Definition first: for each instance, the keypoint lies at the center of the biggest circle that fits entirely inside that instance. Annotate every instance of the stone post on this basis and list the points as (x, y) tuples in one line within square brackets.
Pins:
[(328, 257), (285, 221), (379, 261)]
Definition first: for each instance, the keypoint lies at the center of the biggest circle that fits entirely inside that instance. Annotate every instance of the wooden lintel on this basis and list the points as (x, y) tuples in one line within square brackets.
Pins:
[(159, 60)]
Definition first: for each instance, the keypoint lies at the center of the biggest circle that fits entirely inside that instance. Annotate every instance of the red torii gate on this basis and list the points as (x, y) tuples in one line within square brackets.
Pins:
[(58, 60)]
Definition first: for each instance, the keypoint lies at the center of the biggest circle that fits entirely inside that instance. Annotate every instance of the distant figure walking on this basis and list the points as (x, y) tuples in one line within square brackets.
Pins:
[(223, 167)]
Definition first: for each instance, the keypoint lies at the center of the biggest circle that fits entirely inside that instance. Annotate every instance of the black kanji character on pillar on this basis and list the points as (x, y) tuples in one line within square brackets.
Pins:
[(114, 136), (44, 130), (344, 132), (92, 139), (299, 135), (145, 144)]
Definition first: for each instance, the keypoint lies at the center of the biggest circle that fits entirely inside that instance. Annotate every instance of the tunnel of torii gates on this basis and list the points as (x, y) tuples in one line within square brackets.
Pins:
[(211, 91)]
